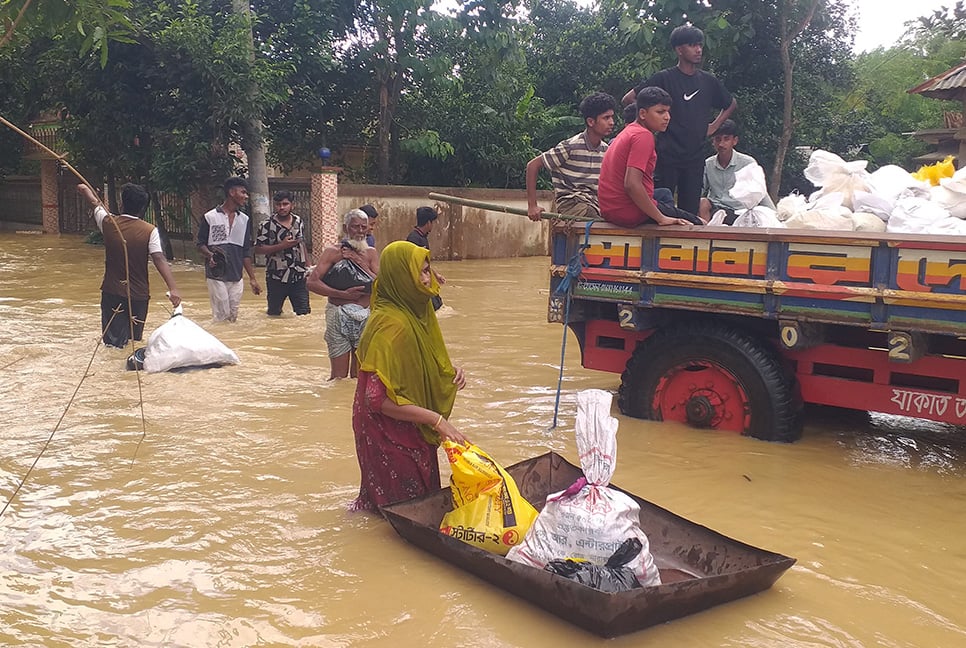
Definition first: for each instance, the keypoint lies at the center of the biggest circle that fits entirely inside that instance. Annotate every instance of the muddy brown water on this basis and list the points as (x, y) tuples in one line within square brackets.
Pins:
[(227, 524)]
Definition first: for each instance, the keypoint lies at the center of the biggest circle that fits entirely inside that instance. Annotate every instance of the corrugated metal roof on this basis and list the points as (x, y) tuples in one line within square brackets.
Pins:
[(951, 84)]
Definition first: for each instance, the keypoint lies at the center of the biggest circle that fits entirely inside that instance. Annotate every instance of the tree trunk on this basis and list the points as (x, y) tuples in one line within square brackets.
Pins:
[(788, 35), (786, 134), (385, 121), (252, 141), (162, 226), (112, 194)]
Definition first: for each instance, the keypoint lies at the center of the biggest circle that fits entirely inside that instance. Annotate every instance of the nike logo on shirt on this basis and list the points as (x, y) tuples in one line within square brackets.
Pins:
[(689, 97)]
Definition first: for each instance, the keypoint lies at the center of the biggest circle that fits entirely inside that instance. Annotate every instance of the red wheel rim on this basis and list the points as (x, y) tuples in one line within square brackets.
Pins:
[(703, 394)]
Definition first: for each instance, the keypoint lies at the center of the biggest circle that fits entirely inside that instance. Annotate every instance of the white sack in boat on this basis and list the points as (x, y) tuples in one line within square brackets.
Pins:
[(589, 520)]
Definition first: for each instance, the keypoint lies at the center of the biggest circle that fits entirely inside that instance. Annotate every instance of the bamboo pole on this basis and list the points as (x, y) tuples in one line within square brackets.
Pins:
[(506, 209), (57, 156)]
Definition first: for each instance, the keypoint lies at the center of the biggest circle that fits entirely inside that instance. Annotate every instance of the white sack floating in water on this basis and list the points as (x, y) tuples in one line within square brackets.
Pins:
[(179, 342)]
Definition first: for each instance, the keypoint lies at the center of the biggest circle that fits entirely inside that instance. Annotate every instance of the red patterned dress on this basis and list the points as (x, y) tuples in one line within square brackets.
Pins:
[(396, 462)]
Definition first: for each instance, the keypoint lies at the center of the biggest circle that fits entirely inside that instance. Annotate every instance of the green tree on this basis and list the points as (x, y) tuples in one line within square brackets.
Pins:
[(97, 21)]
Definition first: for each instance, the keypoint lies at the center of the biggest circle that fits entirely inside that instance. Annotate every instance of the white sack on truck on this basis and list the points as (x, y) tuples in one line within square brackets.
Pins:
[(888, 182), (915, 215), (750, 187), (835, 175), (951, 194)]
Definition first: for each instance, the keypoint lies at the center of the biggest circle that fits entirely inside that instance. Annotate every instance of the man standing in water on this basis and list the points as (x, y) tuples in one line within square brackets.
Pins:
[(348, 306), (425, 219), (128, 242), (682, 149), (574, 163), (372, 214), (224, 241), (280, 239)]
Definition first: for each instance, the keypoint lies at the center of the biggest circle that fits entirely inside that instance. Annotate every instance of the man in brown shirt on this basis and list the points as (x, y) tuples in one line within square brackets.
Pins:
[(128, 242)]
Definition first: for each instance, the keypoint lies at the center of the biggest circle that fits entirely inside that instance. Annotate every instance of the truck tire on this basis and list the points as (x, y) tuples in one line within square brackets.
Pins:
[(711, 375)]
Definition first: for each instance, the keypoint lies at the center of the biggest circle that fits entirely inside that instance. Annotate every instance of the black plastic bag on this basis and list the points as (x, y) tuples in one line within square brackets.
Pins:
[(347, 274), (611, 577)]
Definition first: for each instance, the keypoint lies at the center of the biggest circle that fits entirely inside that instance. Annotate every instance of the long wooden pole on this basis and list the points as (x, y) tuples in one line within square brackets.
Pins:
[(57, 156), (506, 209)]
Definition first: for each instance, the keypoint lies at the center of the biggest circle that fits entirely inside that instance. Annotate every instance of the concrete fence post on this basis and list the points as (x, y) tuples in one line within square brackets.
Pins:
[(49, 197), (326, 224)]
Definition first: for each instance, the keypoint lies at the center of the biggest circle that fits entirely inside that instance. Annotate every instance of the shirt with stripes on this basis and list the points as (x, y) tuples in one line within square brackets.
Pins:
[(575, 168)]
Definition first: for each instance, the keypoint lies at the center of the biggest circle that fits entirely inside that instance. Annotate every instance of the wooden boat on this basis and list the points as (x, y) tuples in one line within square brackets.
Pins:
[(700, 568)]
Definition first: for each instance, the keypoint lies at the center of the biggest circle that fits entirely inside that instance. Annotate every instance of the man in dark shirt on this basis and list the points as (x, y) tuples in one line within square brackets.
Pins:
[(682, 149), (425, 219), (371, 212)]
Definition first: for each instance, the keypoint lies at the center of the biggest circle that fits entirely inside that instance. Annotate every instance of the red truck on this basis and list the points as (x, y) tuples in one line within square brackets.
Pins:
[(736, 329)]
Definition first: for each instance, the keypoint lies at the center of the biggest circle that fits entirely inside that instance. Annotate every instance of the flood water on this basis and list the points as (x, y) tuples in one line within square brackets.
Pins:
[(221, 520)]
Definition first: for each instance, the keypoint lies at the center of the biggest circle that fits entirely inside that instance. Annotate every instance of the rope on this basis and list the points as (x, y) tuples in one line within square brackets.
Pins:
[(127, 272), (23, 480), (565, 287)]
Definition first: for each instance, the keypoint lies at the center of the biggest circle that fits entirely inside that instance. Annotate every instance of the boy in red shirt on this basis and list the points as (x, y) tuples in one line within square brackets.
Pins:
[(626, 186)]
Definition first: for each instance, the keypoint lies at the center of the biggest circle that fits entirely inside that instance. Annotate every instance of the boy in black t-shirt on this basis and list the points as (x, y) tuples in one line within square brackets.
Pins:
[(682, 149)]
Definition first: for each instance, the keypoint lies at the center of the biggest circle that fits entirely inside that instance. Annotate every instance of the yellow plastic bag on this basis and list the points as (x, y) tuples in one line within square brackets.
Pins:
[(488, 510), (933, 173)]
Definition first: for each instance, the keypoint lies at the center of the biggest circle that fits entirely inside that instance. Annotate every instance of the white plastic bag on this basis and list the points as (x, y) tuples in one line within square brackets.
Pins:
[(758, 217), (589, 520), (872, 203), (915, 215), (749, 188), (834, 219), (866, 222), (790, 205), (889, 181), (179, 342), (718, 218), (951, 194), (833, 174)]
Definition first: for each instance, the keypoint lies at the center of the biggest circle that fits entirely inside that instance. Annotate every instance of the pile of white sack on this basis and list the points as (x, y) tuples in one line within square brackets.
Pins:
[(852, 199)]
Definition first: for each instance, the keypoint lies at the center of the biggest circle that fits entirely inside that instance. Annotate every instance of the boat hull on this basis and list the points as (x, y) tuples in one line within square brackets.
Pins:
[(700, 568)]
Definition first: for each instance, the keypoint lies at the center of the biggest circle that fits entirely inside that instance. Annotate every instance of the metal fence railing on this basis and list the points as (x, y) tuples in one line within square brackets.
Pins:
[(20, 200)]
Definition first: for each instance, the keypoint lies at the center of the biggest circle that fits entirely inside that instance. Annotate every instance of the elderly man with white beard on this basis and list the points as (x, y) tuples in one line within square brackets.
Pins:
[(341, 266)]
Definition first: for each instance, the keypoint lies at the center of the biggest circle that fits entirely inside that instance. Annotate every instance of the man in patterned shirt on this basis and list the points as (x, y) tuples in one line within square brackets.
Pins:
[(574, 163), (280, 239)]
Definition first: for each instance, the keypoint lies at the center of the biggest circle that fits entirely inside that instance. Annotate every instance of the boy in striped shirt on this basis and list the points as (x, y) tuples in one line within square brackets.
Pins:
[(574, 163)]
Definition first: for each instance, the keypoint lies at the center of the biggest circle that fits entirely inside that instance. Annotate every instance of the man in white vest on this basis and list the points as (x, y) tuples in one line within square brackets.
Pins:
[(226, 244)]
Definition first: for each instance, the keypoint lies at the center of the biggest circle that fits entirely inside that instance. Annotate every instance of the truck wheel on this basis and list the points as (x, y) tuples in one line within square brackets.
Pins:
[(710, 375)]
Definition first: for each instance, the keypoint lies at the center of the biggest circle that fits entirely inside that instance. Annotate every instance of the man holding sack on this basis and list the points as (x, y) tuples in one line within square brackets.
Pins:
[(344, 274)]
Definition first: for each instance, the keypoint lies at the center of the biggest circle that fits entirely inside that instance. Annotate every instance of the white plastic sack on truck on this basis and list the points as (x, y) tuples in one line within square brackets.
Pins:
[(749, 188), (179, 342), (758, 217), (889, 181), (866, 222), (589, 521), (833, 174), (871, 203), (790, 205), (915, 215), (951, 194), (837, 219)]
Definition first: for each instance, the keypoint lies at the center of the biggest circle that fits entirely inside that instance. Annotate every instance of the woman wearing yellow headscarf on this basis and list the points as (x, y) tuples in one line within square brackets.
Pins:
[(407, 384)]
